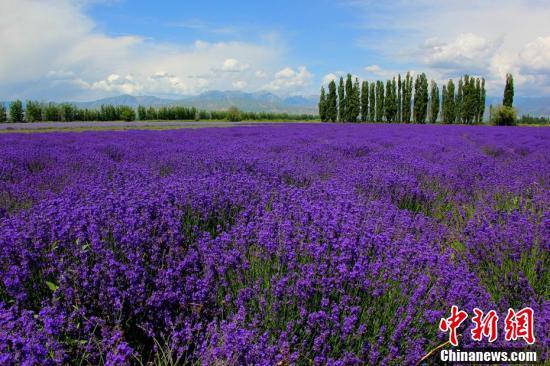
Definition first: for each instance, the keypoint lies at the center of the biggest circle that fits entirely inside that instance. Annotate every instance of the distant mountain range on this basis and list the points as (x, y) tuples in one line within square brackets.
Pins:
[(268, 102), (220, 100)]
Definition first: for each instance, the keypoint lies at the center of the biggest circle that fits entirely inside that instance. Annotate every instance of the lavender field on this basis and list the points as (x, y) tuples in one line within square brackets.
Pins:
[(267, 245)]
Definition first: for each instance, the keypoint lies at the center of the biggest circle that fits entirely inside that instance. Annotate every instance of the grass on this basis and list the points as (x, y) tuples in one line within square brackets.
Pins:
[(175, 126)]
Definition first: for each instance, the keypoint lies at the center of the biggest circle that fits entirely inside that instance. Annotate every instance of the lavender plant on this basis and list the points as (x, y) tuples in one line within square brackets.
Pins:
[(327, 244)]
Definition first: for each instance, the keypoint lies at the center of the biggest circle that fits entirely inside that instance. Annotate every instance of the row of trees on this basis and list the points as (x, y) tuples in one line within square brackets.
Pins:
[(36, 111), (403, 100)]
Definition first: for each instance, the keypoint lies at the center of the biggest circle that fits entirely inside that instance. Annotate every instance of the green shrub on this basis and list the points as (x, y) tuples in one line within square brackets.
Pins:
[(503, 116)]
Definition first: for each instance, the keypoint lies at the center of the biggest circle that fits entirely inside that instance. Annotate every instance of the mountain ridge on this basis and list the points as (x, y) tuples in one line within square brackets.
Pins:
[(264, 101)]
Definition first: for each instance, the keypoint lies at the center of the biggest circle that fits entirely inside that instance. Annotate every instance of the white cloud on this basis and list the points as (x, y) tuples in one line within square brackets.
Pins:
[(239, 84), (291, 80), (328, 78), (260, 74), (233, 65), (42, 59), (450, 38)]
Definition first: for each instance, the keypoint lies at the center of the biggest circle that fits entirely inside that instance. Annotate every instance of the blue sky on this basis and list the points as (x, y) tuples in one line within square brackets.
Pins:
[(86, 49)]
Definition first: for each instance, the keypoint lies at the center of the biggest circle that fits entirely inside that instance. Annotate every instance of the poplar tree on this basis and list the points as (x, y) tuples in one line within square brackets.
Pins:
[(449, 103), (482, 101), (355, 102), (349, 101), (372, 102), (391, 101), (434, 102), (16, 111), (3, 116), (399, 97), (458, 101), (420, 98), (508, 100), (379, 101), (475, 118), (364, 101), (332, 102), (407, 98), (34, 111), (323, 105), (341, 101), (141, 113)]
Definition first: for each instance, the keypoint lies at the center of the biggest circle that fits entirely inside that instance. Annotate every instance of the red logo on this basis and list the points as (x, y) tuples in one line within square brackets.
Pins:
[(520, 325), (485, 326), (452, 323)]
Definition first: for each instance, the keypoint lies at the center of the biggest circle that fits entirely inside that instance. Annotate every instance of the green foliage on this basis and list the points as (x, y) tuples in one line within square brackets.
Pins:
[(508, 99), (348, 103), (3, 116), (341, 101), (379, 101), (482, 100), (532, 120), (323, 105), (234, 114), (459, 101), (448, 102), (503, 116), (364, 101), (142, 113), (390, 100), (126, 113), (434, 102), (399, 97), (332, 102), (407, 98), (372, 102), (420, 98), (34, 111), (16, 111), (354, 102)]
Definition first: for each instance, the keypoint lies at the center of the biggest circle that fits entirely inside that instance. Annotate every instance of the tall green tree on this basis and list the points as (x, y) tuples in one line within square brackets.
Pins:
[(341, 101), (34, 111), (399, 97), (407, 97), (141, 113), (354, 108), (420, 98), (475, 118), (508, 100), (364, 101), (459, 98), (390, 100), (372, 102), (16, 111), (449, 100), (332, 102), (482, 101), (349, 98), (380, 101), (323, 105), (434, 102), (3, 116)]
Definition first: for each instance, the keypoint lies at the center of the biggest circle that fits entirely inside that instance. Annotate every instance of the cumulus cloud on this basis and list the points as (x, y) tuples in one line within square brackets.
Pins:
[(41, 59), (233, 65), (328, 78), (450, 38), (290, 79), (239, 84)]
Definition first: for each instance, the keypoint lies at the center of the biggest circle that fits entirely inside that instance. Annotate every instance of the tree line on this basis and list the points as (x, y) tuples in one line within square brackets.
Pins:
[(34, 111), (408, 99)]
